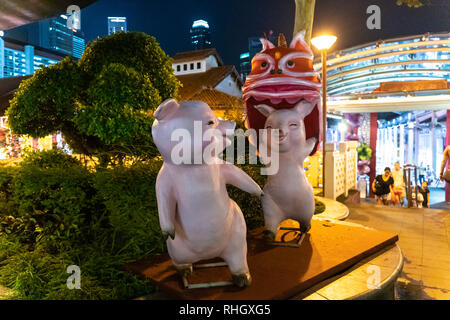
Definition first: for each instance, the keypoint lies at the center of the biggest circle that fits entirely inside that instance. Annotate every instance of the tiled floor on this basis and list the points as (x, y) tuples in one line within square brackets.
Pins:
[(425, 242)]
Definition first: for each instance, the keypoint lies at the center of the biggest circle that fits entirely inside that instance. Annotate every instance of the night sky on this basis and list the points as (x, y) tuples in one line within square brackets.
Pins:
[(233, 21)]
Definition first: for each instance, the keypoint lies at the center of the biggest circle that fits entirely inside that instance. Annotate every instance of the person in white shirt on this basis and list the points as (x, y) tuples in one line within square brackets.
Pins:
[(399, 183)]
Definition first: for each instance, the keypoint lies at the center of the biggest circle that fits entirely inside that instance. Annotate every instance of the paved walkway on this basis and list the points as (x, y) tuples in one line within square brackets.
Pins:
[(425, 242)]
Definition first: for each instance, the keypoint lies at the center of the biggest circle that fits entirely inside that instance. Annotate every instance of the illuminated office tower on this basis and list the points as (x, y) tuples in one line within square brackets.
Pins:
[(200, 35), (116, 24), (53, 34), (21, 59)]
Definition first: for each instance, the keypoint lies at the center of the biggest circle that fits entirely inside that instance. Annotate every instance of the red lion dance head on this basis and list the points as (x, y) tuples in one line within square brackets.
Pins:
[(281, 77)]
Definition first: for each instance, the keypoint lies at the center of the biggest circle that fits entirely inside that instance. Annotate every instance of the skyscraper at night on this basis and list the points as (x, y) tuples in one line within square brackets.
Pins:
[(200, 35), (53, 34), (116, 24)]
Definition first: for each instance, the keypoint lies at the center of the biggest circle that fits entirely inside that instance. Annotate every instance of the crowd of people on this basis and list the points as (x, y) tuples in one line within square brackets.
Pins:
[(390, 189)]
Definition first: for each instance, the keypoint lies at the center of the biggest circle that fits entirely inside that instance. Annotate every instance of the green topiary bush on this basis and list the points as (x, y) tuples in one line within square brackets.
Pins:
[(129, 197), (57, 200), (61, 214), (48, 159)]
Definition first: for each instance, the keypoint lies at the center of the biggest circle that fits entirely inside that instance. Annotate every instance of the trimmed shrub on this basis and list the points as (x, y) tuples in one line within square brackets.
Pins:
[(48, 159), (59, 201), (129, 197)]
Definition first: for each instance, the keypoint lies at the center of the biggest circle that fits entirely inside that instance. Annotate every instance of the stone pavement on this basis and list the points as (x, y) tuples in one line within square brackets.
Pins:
[(425, 242)]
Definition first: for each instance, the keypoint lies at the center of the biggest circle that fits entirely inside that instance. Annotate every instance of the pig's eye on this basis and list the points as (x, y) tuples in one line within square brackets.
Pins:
[(268, 127), (210, 122), (293, 125)]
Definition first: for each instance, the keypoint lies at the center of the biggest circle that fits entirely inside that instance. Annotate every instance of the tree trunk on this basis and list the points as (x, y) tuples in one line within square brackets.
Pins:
[(304, 17)]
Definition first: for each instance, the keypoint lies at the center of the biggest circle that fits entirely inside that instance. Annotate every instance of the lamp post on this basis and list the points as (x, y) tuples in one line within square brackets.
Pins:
[(323, 43)]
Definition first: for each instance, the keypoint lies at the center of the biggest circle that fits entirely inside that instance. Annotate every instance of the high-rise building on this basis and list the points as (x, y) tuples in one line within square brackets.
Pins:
[(254, 47), (200, 35), (53, 34), (21, 59), (245, 65), (116, 24)]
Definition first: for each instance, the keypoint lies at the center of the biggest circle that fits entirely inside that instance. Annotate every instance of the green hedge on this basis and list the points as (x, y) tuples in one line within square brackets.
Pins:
[(56, 213)]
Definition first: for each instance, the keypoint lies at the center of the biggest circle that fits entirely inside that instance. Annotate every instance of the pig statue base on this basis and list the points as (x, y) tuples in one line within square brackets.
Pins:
[(207, 284), (297, 234)]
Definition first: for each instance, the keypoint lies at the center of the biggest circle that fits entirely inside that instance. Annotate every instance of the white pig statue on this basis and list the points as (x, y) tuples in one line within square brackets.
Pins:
[(196, 215), (287, 193)]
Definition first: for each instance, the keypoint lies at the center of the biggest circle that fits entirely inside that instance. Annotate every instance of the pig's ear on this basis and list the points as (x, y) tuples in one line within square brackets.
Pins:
[(305, 107), (166, 108), (265, 109)]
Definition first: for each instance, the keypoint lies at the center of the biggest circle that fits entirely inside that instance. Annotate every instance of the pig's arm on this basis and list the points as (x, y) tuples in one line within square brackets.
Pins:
[(309, 146), (238, 178), (167, 203)]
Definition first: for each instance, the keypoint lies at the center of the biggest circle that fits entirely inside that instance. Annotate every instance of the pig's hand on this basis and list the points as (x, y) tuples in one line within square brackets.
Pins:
[(167, 204), (309, 146), (238, 178)]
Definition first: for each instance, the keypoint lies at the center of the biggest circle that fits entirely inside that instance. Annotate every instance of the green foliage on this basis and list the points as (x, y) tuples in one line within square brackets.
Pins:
[(103, 104), (44, 102), (54, 158), (61, 214), (319, 206), (7, 201), (129, 196), (117, 99), (410, 3), (57, 200), (364, 152), (134, 50)]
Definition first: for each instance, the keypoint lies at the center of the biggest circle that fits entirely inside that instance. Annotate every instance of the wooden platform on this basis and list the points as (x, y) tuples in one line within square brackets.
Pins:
[(277, 272)]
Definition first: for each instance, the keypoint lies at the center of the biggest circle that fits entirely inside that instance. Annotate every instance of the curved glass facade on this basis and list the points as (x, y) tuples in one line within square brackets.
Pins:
[(361, 69)]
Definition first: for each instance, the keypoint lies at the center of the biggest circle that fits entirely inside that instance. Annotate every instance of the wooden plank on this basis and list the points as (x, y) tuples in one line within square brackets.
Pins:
[(277, 272)]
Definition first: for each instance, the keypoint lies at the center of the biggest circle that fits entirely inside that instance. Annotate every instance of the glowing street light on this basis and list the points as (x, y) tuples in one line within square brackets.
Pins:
[(323, 43)]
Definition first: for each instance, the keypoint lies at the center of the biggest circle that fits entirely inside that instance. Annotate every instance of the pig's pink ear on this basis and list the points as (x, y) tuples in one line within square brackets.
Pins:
[(265, 109), (165, 109), (305, 107)]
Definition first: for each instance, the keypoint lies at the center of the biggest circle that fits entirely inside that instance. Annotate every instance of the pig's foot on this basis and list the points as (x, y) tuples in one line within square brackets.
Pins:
[(269, 235), (242, 280), (184, 270)]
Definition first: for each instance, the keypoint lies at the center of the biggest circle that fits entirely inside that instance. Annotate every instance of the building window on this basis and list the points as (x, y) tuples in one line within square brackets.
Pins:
[(192, 66), (185, 67), (178, 68), (199, 65)]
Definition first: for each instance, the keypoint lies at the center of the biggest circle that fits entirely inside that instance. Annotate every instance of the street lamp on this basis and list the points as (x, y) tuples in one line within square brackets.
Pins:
[(323, 43)]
